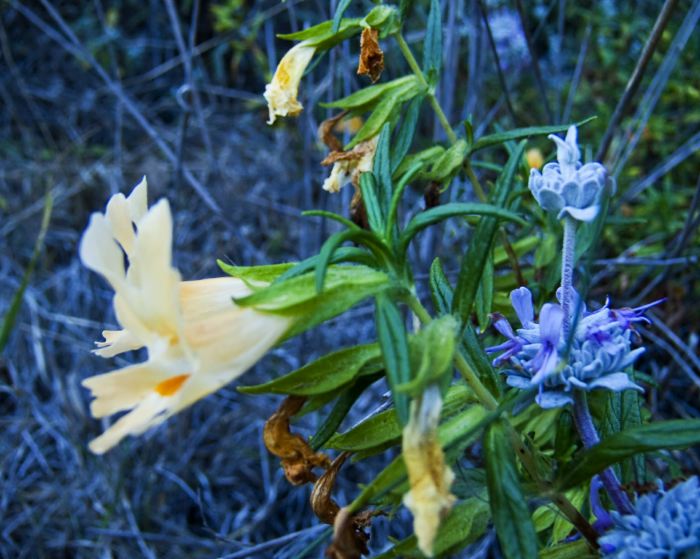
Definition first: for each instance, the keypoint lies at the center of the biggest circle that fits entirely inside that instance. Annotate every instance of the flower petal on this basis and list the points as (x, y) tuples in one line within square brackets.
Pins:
[(521, 299), (616, 382)]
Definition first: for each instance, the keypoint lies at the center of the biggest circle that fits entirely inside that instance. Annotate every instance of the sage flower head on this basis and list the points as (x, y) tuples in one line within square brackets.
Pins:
[(536, 355), (281, 93), (568, 188), (196, 338), (429, 498), (665, 524)]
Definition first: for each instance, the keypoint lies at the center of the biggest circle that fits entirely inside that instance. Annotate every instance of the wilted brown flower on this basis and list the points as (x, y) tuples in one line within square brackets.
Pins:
[(297, 457), (323, 505), (371, 61), (349, 538), (429, 497), (349, 165)]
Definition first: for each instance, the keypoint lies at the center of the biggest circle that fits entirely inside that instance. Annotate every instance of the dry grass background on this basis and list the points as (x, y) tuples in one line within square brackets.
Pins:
[(89, 104)]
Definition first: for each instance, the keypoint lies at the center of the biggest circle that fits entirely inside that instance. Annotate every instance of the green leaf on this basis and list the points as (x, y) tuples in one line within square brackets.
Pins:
[(341, 409), (675, 434), (441, 291), (393, 340), (454, 209), (379, 117), (384, 427), (511, 515), (297, 297), (368, 95), (574, 550), (323, 36), (406, 133), (338, 16), (520, 133), (432, 47), (484, 295), (371, 200), (465, 523), (8, 322), (480, 246), (325, 374), (440, 288), (562, 527), (381, 167)]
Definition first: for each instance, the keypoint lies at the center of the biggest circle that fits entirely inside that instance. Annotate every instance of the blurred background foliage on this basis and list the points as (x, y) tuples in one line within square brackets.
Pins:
[(96, 93)]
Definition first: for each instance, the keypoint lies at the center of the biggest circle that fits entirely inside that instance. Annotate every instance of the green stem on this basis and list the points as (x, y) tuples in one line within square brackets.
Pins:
[(415, 68), (476, 185)]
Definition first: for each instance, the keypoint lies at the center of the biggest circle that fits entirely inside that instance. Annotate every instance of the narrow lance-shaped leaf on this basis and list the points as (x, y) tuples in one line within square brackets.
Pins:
[(339, 12), (474, 260), (381, 167), (323, 375), (432, 47), (371, 198), (520, 133), (455, 209), (393, 340), (509, 509), (675, 434), (405, 134)]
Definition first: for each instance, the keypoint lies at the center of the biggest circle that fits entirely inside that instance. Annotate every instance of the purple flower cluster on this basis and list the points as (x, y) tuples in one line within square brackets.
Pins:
[(599, 349)]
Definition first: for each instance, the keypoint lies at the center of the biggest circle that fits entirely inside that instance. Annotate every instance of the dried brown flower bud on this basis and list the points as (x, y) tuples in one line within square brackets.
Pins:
[(297, 457), (371, 61), (349, 538), (324, 507)]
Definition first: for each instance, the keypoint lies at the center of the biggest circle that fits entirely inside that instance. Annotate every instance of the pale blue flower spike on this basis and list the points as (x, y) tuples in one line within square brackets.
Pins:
[(568, 188), (663, 524)]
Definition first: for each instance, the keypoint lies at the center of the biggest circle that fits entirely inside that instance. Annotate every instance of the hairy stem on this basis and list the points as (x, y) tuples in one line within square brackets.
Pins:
[(567, 273), (590, 438), (415, 68)]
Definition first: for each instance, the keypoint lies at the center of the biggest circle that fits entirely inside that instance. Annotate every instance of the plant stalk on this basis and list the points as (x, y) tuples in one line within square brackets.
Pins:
[(590, 438), (567, 273)]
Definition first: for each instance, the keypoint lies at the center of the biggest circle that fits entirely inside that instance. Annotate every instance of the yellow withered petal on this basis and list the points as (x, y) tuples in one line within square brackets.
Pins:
[(281, 93)]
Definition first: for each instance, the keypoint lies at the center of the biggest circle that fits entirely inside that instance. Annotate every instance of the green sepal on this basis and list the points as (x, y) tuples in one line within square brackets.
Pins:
[(256, 274), (424, 156), (448, 164), (325, 374), (432, 351)]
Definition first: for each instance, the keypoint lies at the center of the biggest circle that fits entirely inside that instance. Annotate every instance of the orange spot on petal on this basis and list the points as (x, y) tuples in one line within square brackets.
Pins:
[(171, 386)]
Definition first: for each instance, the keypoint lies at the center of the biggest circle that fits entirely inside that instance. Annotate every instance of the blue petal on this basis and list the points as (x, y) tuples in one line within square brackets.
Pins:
[(617, 382), (548, 400), (521, 299), (551, 318)]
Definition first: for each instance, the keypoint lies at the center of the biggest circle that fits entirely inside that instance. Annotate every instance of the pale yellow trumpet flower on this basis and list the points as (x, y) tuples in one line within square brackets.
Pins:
[(197, 339), (281, 93)]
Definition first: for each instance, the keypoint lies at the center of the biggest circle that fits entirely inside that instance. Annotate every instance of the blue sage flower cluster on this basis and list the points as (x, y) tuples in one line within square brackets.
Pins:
[(568, 188), (599, 349), (665, 524)]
